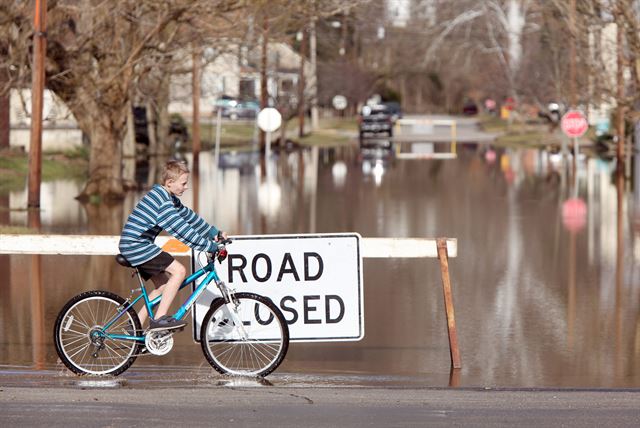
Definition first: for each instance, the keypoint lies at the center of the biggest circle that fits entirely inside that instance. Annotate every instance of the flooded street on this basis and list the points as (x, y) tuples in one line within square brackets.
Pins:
[(539, 302)]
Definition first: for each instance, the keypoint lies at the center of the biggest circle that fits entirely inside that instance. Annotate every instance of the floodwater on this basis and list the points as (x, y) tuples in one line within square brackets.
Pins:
[(539, 301)]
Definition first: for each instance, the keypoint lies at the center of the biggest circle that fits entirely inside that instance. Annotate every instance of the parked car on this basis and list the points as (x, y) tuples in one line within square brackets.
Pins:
[(394, 109), (243, 110), (376, 119), (469, 108), (553, 112), (237, 109), (224, 102)]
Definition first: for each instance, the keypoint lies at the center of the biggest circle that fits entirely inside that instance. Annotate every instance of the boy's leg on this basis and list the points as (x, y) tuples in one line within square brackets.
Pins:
[(177, 274), (159, 281)]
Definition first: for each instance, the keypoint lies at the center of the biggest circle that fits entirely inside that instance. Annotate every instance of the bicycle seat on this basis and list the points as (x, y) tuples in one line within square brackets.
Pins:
[(122, 261)]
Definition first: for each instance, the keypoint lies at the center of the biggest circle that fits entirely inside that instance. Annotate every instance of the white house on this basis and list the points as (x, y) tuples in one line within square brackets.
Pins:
[(236, 73), (60, 130)]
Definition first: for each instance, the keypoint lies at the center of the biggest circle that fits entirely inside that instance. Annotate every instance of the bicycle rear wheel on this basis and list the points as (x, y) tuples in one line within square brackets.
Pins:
[(82, 345), (247, 339)]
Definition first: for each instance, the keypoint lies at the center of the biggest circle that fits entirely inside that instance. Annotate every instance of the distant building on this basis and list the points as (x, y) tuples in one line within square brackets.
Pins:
[(603, 46), (399, 12), (60, 129), (236, 73)]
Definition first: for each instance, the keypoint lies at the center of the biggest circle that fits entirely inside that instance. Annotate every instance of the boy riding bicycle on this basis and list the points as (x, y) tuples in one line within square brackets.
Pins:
[(160, 209)]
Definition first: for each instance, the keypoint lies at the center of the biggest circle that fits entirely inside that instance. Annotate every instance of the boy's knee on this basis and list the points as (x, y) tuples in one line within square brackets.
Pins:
[(177, 269)]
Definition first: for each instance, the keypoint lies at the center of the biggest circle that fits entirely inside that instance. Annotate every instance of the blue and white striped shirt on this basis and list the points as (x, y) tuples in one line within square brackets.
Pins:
[(159, 210)]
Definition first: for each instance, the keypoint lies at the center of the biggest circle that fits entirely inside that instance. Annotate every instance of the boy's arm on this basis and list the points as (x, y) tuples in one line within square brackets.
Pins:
[(198, 223), (175, 224)]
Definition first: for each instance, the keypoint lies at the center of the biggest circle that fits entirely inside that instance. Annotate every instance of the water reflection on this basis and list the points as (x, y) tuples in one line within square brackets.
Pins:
[(538, 302), (37, 298)]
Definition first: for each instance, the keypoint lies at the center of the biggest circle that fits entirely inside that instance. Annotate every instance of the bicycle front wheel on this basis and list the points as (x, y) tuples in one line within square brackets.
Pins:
[(80, 339), (250, 338)]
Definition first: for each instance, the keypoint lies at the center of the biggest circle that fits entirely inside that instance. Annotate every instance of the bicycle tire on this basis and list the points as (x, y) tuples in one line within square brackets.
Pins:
[(83, 314), (265, 346)]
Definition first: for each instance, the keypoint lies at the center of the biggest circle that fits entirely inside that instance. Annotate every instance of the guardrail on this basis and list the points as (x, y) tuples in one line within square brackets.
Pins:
[(424, 133), (442, 248)]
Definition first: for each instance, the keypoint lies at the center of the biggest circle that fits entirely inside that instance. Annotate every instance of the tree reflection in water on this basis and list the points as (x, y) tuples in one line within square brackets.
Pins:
[(536, 305)]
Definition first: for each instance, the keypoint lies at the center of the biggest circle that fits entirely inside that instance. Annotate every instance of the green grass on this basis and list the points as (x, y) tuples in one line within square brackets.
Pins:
[(231, 134), (16, 230), (340, 124), (14, 168), (493, 124), (518, 134), (325, 138), (528, 139), (236, 134)]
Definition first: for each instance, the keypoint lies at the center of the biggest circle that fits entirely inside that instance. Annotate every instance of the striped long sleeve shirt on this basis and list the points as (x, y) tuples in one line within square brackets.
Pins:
[(159, 210)]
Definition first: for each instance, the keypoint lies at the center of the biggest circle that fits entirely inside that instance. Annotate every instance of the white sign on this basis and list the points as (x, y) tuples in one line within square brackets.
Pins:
[(269, 119), (316, 280), (339, 102)]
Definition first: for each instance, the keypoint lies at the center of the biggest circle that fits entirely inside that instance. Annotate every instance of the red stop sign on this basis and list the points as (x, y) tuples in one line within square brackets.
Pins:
[(574, 124)]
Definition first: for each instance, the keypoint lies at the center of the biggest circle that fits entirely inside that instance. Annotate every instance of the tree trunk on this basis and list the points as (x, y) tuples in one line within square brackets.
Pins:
[(195, 99), (283, 134), (315, 120), (151, 127), (5, 124), (515, 25), (129, 152), (620, 102), (105, 156), (162, 115), (301, 84), (264, 94)]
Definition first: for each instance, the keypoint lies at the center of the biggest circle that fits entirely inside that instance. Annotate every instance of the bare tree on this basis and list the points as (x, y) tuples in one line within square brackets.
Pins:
[(97, 52)]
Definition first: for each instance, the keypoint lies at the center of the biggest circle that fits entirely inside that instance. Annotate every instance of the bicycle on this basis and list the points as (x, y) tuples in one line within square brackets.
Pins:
[(96, 332)]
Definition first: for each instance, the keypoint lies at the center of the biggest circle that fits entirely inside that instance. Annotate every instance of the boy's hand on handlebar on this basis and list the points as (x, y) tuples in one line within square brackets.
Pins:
[(222, 239)]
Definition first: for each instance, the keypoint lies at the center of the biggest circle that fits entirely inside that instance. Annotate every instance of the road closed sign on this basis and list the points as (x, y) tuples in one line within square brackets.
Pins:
[(315, 280)]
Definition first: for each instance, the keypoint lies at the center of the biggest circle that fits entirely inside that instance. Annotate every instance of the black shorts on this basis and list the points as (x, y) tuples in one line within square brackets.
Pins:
[(156, 265)]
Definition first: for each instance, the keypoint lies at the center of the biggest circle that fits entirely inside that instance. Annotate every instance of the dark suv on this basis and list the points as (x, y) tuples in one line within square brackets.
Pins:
[(376, 119)]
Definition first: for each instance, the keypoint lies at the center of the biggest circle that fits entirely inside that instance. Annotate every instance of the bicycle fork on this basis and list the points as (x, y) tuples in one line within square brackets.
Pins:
[(232, 305)]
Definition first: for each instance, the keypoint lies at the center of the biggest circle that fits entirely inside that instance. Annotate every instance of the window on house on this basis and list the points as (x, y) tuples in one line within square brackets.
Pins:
[(247, 88)]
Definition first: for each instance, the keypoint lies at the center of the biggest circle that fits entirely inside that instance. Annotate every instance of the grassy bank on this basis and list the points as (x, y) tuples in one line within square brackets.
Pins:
[(333, 132), (234, 135), (519, 134), (14, 167)]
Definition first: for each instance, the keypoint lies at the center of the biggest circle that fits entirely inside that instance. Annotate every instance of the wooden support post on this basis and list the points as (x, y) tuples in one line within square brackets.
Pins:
[(448, 303)]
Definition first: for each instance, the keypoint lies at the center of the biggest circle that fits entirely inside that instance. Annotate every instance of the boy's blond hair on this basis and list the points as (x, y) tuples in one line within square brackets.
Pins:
[(173, 169)]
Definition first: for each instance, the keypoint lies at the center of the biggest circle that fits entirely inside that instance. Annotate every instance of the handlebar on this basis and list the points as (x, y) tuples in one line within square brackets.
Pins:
[(224, 242), (221, 252)]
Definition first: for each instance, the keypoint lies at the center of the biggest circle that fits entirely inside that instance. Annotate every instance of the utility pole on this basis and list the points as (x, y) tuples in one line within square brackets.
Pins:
[(195, 89), (37, 89), (572, 77), (572, 54), (301, 84), (264, 94), (314, 73), (620, 89)]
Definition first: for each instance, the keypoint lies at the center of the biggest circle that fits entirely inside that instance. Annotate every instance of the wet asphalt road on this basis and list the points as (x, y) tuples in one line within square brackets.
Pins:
[(316, 407)]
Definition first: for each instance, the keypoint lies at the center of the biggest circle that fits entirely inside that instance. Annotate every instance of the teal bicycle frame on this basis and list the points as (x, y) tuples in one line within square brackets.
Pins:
[(211, 275)]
